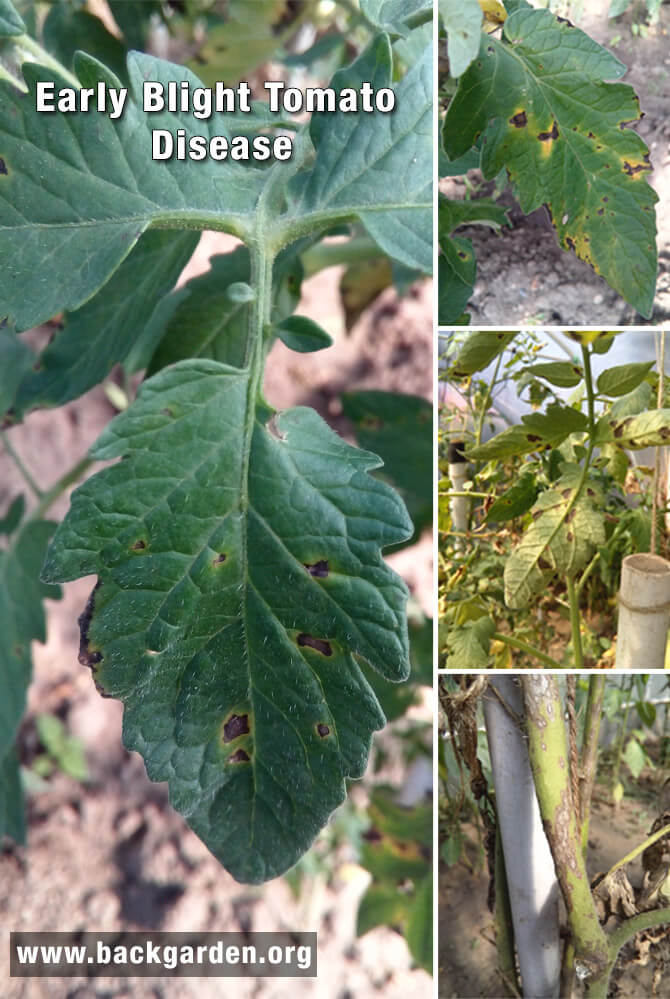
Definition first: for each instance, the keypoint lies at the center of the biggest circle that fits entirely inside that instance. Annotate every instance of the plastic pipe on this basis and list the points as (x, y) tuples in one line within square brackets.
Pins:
[(459, 475), (644, 612), (532, 884)]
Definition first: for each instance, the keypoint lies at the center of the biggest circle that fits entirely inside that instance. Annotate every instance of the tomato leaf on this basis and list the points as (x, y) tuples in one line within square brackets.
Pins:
[(624, 378), (561, 373), (235, 593), (462, 20), (547, 115)]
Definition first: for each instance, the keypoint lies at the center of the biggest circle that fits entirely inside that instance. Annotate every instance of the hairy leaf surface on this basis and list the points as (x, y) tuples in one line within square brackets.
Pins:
[(548, 116), (235, 593), (562, 538)]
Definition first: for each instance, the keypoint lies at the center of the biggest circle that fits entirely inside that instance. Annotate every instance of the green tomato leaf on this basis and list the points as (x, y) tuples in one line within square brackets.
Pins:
[(635, 402), (385, 178), (478, 351), (101, 333), (635, 757), (11, 22), (381, 905), (561, 373), (537, 432), (235, 593), (396, 16), (515, 501), (14, 515), (463, 22), (644, 430), (67, 31), (420, 929), (21, 621), (397, 428), (456, 261), (562, 538), (16, 361), (12, 812), (623, 379), (538, 95), (303, 334)]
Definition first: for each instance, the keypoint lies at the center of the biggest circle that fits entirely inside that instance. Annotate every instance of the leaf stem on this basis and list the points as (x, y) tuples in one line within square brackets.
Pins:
[(18, 461), (530, 650), (575, 623), (14, 80), (41, 56), (51, 495), (322, 255)]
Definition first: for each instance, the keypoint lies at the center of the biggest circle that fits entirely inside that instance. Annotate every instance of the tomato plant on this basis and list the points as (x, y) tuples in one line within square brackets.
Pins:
[(528, 96), (242, 611), (556, 498)]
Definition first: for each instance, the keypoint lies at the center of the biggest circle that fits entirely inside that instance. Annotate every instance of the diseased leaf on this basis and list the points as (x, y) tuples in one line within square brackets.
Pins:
[(537, 432), (396, 16), (478, 351), (398, 428), (561, 373), (12, 813), (635, 402), (515, 501), (562, 538), (470, 644), (235, 593), (462, 20), (547, 115), (457, 264), (101, 333), (21, 621), (644, 430), (623, 379)]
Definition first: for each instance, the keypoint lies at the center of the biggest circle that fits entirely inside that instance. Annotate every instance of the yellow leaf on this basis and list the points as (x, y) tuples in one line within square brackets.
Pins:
[(494, 13)]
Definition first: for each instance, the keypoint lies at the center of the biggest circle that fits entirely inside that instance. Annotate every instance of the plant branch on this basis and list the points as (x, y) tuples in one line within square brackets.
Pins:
[(575, 623), (530, 650), (52, 494), (548, 751), (589, 755), (599, 987), (18, 461)]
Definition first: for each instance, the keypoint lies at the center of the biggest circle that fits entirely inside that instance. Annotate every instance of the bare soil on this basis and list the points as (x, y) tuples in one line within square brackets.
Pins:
[(110, 853), (467, 962), (523, 276)]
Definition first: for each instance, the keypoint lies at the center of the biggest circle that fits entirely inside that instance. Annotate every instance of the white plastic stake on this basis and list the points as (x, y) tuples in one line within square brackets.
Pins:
[(644, 612), (459, 475), (531, 879)]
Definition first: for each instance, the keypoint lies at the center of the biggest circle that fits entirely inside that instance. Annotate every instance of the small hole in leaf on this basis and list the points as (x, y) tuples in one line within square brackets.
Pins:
[(320, 644), (318, 569), (236, 726), (220, 559), (323, 730), (239, 756)]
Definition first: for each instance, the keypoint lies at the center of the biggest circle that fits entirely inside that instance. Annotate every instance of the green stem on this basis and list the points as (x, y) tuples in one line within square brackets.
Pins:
[(14, 80), (41, 56), (589, 755), (487, 400), (471, 495), (575, 623), (548, 752), (16, 458), (598, 988), (516, 643), (622, 734), (322, 255), (51, 495)]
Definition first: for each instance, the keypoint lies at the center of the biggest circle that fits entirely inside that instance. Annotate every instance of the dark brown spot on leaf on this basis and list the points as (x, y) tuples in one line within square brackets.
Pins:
[(239, 756), (138, 545), (315, 643), (236, 726), (323, 730), (571, 536), (220, 558), (570, 241), (372, 835), (318, 569), (601, 211), (519, 120), (549, 136), (543, 564), (3, 167), (532, 438), (87, 657), (462, 255), (571, 516), (631, 170), (167, 411)]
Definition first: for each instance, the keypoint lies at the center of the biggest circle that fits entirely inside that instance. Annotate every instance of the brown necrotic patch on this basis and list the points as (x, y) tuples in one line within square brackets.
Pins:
[(323, 730), (549, 136), (239, 756), (631, 169), (138, 545), (320, 644), (3, 167), (87, 656), (220, 559), (318, 569), (236, 726), (519, 120)]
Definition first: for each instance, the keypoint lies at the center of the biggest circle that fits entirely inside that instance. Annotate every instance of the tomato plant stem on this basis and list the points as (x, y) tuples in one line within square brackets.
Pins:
[(530, 650), (589, 755), (575, 623), (51, 495), (40, 55), (18, 461)]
